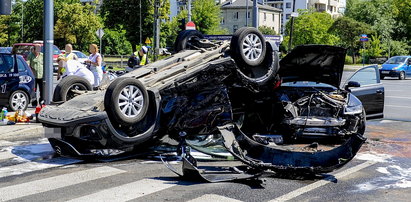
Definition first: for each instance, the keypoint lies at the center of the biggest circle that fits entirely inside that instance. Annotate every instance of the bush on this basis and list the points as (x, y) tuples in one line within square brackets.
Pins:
[(348, 60)]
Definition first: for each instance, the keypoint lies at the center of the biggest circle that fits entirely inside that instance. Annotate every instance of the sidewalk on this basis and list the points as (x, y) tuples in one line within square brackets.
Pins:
[(21, 131), (355, 67)]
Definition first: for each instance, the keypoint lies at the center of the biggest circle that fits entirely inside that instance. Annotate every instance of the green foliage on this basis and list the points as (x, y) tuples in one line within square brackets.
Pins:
[(267, 30), (393, 48), (349, 31), (76, 24), (312, 28), (115, 42), (207, 16), (348, 60)]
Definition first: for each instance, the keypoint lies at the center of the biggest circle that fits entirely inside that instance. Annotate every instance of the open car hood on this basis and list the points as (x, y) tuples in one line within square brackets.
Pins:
[(318, 63)]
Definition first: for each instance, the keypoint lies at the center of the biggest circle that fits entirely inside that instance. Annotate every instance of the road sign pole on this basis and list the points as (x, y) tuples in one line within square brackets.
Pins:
[(48, 50)]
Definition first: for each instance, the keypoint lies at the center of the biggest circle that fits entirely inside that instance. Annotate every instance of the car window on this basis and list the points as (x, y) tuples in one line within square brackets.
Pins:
[(366, 76), (21, 65), (396, 60), (80, 55), (6, 64), (22, 50)]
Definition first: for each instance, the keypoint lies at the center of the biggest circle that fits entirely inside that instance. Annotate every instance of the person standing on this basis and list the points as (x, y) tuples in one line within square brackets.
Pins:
[(35, 59), (69, 55), (94, 62), (143, 56)]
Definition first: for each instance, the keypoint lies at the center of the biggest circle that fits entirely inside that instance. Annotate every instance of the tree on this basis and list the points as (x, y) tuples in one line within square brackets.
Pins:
[(115, 42), (206, 14), (267, 30), (125, 13), (77, 24), (311, 28)]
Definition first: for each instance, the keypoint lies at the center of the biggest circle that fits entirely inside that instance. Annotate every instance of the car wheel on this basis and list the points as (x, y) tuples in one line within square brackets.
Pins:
[(19, 100), (248, 46), (126, 101), (64, 89), (183, 38), (401, 76)]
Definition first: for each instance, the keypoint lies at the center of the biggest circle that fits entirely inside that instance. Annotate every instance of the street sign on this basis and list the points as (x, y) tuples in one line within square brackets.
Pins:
[(364, 38), (148, 41), (190, 26), (100, 33)]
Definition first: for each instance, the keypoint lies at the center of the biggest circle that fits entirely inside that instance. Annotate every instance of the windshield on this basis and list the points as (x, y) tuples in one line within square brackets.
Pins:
[(396, 60), (6, 63)]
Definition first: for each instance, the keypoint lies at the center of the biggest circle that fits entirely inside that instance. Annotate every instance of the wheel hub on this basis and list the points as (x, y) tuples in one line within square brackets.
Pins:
[(252, 47), (130, 101)]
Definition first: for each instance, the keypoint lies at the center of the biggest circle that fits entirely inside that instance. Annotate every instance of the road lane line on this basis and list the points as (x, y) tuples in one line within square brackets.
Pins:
[(315, 185), (53, 183), (213, 197), (397, 106), (128, 191), (36, 166), (398, 97)]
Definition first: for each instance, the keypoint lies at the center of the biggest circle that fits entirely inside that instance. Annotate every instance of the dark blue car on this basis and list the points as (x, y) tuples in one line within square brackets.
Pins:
[(17, 88)]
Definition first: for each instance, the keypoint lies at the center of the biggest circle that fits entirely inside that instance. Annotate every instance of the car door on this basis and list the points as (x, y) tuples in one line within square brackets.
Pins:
[(9, 77), (371, 91)]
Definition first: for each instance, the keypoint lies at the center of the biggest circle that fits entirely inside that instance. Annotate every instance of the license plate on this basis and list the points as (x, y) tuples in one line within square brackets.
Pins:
[(385, 72), (52, 133)]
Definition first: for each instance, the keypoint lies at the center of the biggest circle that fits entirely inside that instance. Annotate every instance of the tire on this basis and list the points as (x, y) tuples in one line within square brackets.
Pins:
[(401, 76), (133, 111), (18, 100), (248, 36), (183, 38), (62, 93)]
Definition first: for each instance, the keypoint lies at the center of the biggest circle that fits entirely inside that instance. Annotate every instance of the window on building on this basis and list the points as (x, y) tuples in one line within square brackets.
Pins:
[(273, 17), (248, 15), (288, 5), (222, 20), (235, 27), (288, 16), (265, 16), (235, 15)]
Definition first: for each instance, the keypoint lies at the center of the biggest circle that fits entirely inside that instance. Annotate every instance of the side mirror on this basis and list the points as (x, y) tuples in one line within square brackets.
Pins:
[(352, 84)]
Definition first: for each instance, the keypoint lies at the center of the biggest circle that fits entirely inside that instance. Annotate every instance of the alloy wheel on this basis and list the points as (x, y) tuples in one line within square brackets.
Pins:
[(131, 101), (252, 47)]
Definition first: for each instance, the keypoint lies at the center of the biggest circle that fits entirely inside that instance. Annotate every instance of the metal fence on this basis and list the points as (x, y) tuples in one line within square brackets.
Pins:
[(116, 60)]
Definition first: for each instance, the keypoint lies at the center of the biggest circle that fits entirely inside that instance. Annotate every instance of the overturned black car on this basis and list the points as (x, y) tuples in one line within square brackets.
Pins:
[(270, 114)]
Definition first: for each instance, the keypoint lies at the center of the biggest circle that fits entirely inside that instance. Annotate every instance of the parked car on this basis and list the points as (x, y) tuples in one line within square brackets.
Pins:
[(17, 87), (24, 50), (81, 56), (5, 49), (267, 113), (397, 66)]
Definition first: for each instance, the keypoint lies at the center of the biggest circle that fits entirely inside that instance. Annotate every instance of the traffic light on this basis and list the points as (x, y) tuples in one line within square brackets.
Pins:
[(5, 7)]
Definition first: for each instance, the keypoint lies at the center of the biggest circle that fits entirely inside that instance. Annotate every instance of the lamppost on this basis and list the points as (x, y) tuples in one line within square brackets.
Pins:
[(22, 19)]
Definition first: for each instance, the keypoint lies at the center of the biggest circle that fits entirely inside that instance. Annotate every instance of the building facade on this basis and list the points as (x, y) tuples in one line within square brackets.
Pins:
[(236, 15), (334, 7)]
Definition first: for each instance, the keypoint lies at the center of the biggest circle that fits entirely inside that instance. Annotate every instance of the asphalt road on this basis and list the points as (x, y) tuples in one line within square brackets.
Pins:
[(380, 172)]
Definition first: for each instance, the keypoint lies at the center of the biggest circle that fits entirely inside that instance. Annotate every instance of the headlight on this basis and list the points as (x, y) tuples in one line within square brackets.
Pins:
[(395, 68), (354, 106)]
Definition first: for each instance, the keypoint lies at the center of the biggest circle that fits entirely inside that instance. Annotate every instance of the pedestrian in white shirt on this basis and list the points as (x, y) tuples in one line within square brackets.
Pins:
[(94, 62)]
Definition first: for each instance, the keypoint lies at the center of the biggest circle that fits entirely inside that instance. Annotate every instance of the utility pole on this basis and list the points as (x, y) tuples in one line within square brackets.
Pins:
[(141, 40), (246, 13), (291, 28), (189, 10), (156, 28), (255, 14), (48, 50)]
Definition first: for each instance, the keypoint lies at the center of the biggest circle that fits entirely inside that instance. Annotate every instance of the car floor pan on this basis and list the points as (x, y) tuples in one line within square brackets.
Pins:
[(279, 159)]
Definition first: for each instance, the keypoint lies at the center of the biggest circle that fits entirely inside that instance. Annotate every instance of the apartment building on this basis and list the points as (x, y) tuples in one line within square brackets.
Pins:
[(333, 7), (236, 15)]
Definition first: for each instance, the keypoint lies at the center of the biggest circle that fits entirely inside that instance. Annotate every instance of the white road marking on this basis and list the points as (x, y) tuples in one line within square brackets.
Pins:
[(213, 197), (310, 187), (397, 106), (128, 191), (6, 155), (398, 97), (53, 183), (36, 166)]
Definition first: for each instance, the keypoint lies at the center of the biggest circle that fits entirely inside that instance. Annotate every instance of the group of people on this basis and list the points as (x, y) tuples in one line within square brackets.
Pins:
[(68, 65)]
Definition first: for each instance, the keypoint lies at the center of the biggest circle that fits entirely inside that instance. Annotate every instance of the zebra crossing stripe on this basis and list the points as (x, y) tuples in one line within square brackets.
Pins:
[(128, 191), (6, 155), (53, 183), (213, 197), (36, 166)]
